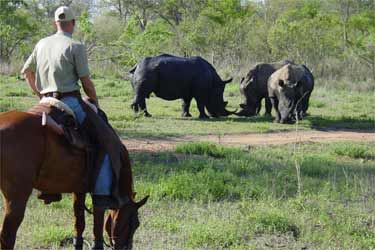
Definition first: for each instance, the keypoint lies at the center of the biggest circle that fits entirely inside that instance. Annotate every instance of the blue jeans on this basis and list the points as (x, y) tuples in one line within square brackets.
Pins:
[(103, 183)]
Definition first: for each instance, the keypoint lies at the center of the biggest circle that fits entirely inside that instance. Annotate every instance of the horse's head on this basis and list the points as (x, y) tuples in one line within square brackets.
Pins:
[(122, 223)]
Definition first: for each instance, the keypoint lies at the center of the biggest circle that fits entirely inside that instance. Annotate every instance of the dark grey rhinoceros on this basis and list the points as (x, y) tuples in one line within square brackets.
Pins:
[(289, 89), (253, 88), (171, 77)]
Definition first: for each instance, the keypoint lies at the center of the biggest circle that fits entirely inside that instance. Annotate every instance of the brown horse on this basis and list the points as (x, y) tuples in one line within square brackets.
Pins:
[(33, 156)]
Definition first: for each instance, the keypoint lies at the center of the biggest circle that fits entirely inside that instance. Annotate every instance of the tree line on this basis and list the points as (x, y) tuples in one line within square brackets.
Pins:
[(335, 38)]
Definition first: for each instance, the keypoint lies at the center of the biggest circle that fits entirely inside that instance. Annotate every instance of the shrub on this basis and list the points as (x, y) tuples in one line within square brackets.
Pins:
[(272, 222), (354, 151), (205, 185), (206, 148)]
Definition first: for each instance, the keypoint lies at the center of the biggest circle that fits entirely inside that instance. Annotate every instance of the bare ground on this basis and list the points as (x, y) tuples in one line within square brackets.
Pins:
[(274, 138)]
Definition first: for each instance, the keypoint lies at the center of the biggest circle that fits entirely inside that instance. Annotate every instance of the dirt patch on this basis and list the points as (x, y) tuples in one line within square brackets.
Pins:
[(277, 138)]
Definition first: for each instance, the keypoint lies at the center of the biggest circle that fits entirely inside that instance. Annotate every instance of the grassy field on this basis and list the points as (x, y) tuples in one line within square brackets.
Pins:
[(329, 108), (208, 196)]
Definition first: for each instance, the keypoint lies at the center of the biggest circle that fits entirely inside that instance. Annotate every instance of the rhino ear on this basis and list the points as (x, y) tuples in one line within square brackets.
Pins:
[(248, 82), (251, 80)]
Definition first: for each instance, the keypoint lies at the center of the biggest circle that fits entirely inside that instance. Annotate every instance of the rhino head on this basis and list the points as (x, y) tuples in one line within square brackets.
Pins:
[(250, 105), (288, 84), (216, 105)]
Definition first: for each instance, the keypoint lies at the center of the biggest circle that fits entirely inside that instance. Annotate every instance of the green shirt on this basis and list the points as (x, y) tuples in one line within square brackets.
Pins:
[(58, 61)]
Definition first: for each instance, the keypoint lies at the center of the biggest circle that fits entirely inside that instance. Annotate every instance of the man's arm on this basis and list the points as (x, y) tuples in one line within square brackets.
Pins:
[(89, 88), (29, 69), (30, 79), (83, 72)]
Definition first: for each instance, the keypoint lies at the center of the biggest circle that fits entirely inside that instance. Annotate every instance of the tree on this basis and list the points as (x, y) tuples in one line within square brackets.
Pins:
[(362, 41), (306, 34), (141, 10), (15, 27), (135, 43)]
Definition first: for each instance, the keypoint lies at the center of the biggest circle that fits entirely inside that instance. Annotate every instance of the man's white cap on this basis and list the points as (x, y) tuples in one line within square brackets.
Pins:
[(63, 14)]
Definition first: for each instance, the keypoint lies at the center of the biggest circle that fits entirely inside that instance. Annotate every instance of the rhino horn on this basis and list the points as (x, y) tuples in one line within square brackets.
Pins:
[(242, 112), (228, 81), (227, 112)]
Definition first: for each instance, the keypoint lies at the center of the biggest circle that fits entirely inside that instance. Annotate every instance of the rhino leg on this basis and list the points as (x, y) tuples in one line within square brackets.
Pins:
[(186, 107), (299, 112), (258, 106), (139, 104), (275, 104), (202, 113), (302, 107), (305, 104), (268, 105)]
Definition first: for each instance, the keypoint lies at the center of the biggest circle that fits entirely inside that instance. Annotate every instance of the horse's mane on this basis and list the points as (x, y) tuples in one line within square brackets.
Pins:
[(126, 175)]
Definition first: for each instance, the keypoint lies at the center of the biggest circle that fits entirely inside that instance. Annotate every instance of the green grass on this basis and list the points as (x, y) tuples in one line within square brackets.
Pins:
[(354, 151), (206, 148), (208, 196), (244, 199), (334, 109), (257, 198)]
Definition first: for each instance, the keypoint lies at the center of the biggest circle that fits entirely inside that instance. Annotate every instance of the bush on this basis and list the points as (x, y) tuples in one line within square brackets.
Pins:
[(205, 185), (354, 151), (206, 148), (272, 222), (207, 234)]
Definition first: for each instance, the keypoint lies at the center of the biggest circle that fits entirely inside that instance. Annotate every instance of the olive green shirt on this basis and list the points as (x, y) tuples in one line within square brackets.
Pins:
[(58, 62)]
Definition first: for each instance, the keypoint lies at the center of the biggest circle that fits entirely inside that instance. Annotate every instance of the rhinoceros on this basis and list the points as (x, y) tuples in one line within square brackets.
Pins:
[(253, 88), (171, 77), (289, 89)]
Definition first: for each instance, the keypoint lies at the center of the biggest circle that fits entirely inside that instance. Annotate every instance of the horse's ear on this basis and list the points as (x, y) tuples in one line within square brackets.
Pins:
[(133, 195), (142, 202)]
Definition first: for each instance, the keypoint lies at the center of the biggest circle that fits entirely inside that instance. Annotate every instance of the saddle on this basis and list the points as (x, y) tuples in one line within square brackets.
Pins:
[(103, 140), (61, 119)]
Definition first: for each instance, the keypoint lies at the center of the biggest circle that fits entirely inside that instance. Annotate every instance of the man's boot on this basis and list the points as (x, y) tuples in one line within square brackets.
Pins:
[(104, 201), (49, 198)]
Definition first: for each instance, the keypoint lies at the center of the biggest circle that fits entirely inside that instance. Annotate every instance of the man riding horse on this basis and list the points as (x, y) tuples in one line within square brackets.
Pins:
[(53, 70), (55, 164)]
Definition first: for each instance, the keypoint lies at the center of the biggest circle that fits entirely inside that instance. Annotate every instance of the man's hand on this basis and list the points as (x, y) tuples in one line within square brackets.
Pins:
[(30, 79), (89, 88)]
